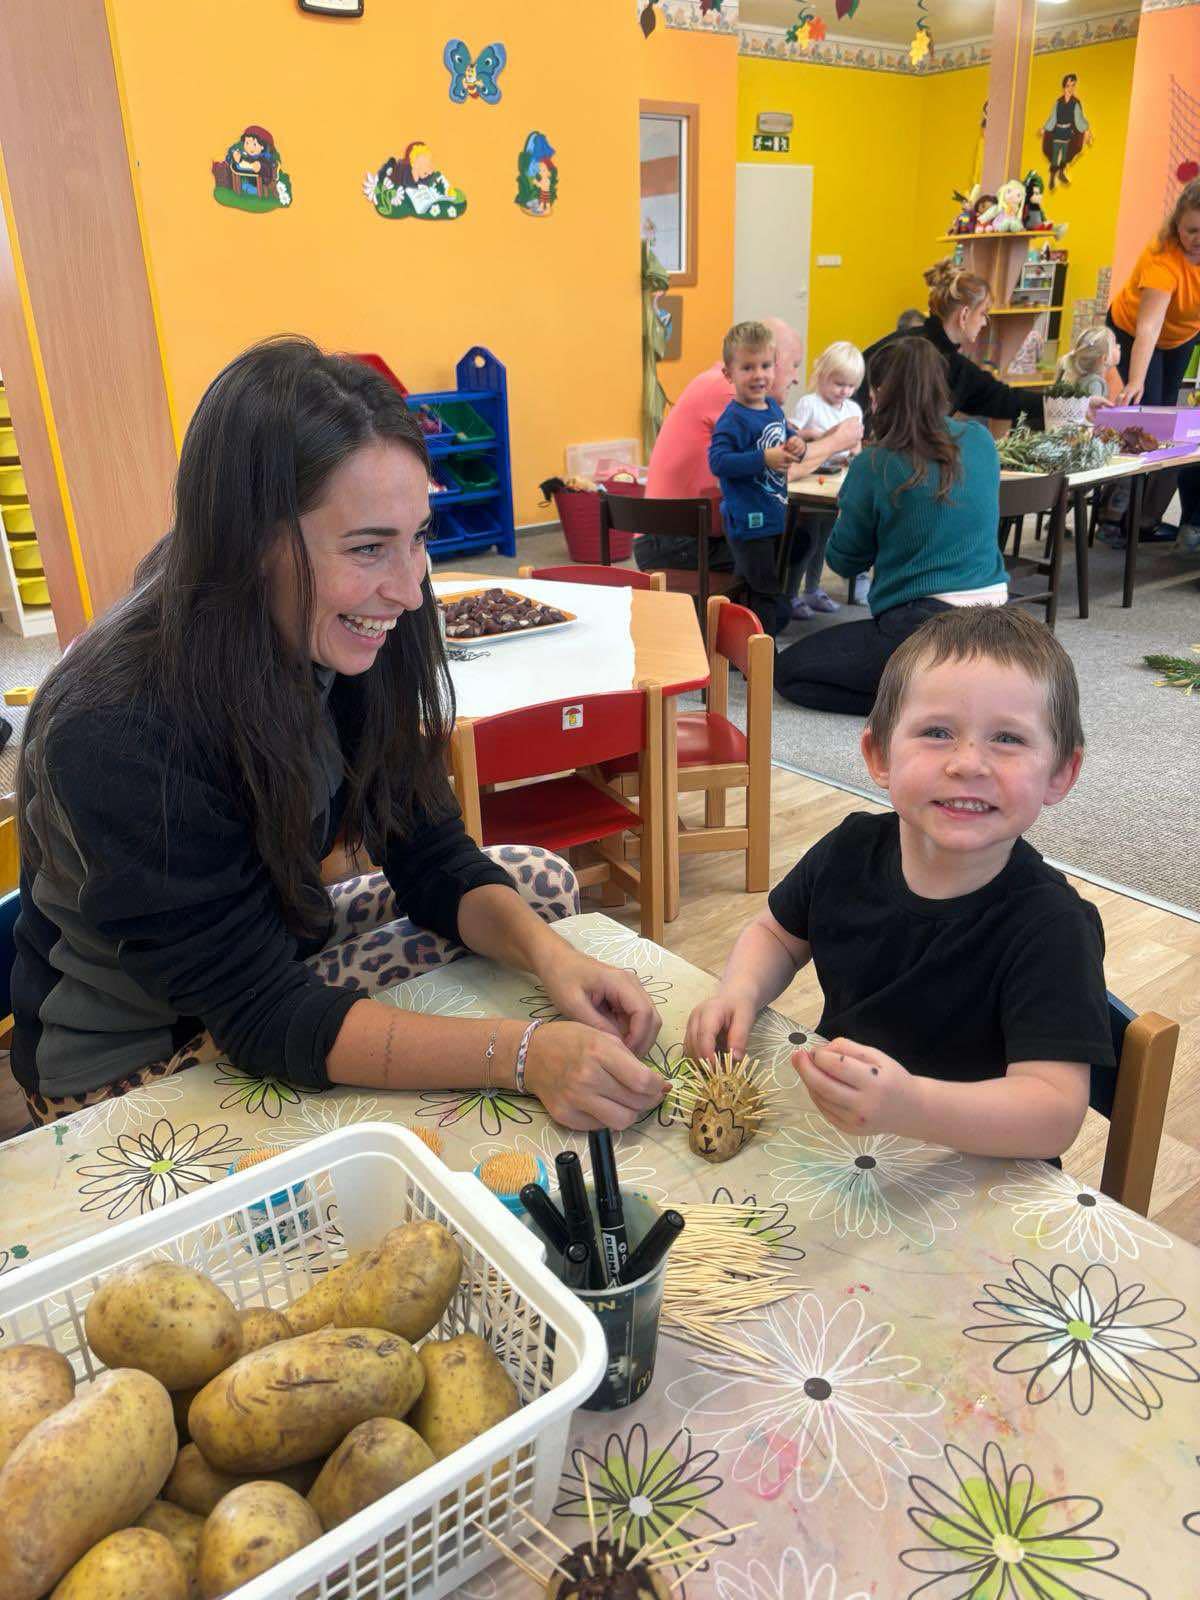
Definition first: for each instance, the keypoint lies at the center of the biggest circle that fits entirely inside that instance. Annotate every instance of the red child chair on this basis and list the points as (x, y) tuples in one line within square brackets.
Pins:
[(606, 577), (714, 754), (567, 813)]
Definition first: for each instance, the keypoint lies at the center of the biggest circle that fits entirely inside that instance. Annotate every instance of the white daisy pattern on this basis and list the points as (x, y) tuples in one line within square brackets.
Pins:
[(772, 1039), (871, 1186), (1085, 1334), (619, 947), (794, 1580), (326, 1113), (1057, 1212), (434, 999), (121, 1113), (822, 1403), (549, 1140)]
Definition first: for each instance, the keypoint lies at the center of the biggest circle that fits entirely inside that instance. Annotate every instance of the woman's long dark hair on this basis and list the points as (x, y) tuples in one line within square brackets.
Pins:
[(910, 401), (194, 645)]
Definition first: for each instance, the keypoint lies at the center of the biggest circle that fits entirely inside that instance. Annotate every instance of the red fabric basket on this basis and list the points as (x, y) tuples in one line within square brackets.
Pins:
[(579, 512)]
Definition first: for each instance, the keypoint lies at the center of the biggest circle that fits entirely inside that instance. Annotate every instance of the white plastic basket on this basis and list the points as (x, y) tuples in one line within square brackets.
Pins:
[(311, 1206)]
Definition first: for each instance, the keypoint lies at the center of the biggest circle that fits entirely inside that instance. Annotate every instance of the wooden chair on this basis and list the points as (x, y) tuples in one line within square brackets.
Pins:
[(568, 813), (714, 754), (670, 519), (1134, 1099), (1029, 496), (607, 577)]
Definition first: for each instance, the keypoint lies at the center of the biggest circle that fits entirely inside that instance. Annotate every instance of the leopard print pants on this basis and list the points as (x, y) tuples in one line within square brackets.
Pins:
[(371, 947)]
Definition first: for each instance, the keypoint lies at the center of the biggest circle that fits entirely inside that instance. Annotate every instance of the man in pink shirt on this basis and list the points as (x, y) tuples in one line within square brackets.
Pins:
[(678, 467)]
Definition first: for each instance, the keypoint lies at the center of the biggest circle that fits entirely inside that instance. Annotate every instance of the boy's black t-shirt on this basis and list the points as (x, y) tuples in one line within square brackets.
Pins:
[(953, 989)]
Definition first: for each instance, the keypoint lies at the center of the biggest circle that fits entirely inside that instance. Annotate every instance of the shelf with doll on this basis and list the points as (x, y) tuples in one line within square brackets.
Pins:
[(992, 233)]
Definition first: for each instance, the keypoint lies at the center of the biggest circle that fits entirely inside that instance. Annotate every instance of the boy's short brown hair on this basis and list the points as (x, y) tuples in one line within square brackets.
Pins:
[(746, 336), (998, 633)]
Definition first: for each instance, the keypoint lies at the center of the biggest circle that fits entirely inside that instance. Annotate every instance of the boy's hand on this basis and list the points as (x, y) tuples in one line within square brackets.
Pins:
[(722, 1023), (796, 447), (858, 1089), (776, 457)]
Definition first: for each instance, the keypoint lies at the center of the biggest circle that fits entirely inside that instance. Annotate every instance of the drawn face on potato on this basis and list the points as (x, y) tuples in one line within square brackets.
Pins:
[(715, 1133)]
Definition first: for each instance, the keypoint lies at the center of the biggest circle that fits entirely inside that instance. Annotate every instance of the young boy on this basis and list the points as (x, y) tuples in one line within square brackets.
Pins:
[(963, 977), (749, 456)]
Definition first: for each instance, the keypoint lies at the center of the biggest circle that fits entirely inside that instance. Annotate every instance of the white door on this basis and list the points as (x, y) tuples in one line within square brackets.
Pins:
[(772, 244)]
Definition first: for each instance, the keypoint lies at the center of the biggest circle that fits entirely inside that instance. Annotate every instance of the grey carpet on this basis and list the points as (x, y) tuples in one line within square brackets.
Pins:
[(1130, 820)]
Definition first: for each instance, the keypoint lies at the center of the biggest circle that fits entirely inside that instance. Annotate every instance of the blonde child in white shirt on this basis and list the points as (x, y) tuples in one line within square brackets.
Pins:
[(837, 373)]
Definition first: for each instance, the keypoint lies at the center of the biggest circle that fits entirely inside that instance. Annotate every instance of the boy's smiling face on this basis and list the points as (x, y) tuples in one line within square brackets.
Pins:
[(752, 374), (970, 764)]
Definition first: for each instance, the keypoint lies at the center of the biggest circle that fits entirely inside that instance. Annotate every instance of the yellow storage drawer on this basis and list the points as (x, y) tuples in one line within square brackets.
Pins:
[(8, 445), (26, 557), (5, 412), (34, 591), (18, 519), (12, 483)]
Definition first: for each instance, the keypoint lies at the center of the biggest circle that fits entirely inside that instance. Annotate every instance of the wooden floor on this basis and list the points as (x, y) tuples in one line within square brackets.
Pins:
[(1152, 962)]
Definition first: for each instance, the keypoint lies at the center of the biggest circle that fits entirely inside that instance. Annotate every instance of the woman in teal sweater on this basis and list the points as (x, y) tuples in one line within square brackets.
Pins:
[(921, 506)]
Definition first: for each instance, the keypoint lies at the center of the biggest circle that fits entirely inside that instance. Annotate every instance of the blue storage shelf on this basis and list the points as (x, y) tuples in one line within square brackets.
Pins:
[(479, 519)]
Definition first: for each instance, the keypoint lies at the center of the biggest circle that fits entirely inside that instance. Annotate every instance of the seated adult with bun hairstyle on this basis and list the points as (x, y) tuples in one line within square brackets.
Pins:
[(959, 302), (920, 505)]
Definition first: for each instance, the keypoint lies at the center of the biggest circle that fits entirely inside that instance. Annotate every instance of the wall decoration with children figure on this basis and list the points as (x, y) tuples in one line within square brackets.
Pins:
[(251, 177), (411, 186), (537, 176), (474, 78), (1065, 132)]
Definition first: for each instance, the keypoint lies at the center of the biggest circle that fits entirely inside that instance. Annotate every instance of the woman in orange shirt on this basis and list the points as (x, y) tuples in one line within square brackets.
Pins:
[(1156, 315)]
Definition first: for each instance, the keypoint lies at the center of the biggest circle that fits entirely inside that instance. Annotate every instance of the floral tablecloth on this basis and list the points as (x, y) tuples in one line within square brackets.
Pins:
[(987, 1386)]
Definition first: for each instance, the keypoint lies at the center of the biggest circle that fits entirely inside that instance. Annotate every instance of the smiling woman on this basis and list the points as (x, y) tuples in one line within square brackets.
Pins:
[(275, 682)]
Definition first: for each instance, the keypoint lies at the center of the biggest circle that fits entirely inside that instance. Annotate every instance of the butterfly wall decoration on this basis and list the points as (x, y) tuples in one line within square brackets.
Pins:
[(474, 79)]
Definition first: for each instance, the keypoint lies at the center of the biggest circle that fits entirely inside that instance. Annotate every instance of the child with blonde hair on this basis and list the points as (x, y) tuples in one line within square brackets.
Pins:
[(836, 374), (1091, 363)]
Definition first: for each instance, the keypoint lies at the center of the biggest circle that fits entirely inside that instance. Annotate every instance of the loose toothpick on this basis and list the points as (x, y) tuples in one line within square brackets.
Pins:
[(669, 1557)]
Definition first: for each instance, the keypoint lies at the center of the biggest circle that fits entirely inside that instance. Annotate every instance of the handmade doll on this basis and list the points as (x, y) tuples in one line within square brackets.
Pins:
[(1006, 215)]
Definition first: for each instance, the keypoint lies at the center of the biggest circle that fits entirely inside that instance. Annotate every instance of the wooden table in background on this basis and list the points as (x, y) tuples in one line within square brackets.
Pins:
[(668, 650), (821, 494)]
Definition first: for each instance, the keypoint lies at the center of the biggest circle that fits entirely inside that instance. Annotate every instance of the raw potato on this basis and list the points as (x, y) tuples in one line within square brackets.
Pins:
[(261, 1326), (35, 1381), (315, 1307), (84, 1472), (166, 1319), (197, 1487), (406, 1282), (135, 1564), (253, 1528), (182, 1530), (372, 1460), (298, 1399), (181, 1401), (466, 1392)]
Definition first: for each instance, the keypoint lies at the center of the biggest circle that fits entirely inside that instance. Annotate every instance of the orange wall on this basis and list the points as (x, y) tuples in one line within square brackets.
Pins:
[(1168, 46), (702, 70), (341, 95)]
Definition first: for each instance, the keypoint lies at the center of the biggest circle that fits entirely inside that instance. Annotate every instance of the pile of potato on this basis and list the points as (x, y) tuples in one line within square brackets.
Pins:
[(221, 1441)]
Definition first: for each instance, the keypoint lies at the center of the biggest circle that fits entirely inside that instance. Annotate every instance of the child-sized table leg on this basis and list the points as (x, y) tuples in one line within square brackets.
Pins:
[(670, 809)]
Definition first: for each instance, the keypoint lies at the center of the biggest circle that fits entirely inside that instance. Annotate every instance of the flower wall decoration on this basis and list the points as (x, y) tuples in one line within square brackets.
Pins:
[(1086, 1334)]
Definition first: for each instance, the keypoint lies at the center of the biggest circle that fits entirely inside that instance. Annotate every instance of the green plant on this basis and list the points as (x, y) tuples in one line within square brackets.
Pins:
[(1075, 449), (1060, 389), (1178, 672)]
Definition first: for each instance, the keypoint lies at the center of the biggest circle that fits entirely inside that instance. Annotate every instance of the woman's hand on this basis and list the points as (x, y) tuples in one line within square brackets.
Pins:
[(858, 1089), (604, 997), (587, 1079), (722, 1023), (1131, 394)]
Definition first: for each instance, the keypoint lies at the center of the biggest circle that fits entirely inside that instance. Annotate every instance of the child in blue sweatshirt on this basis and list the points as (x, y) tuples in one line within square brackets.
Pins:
[(749, 457)]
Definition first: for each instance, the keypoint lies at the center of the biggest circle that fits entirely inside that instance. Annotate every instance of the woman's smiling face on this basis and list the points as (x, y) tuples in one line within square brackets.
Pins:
[(366, 545)]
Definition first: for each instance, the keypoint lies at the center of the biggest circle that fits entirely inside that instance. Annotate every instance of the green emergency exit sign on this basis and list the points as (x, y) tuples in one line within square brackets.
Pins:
[(779, 143)]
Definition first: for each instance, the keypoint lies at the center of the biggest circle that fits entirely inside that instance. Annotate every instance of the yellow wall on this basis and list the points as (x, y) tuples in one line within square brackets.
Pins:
[(857, 131), (557, 299), (698, 69), (888, 152)]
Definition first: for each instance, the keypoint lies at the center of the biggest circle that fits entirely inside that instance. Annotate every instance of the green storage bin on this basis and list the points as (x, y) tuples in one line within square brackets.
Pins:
[(464, 421), (473, 474), (17, 519)]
